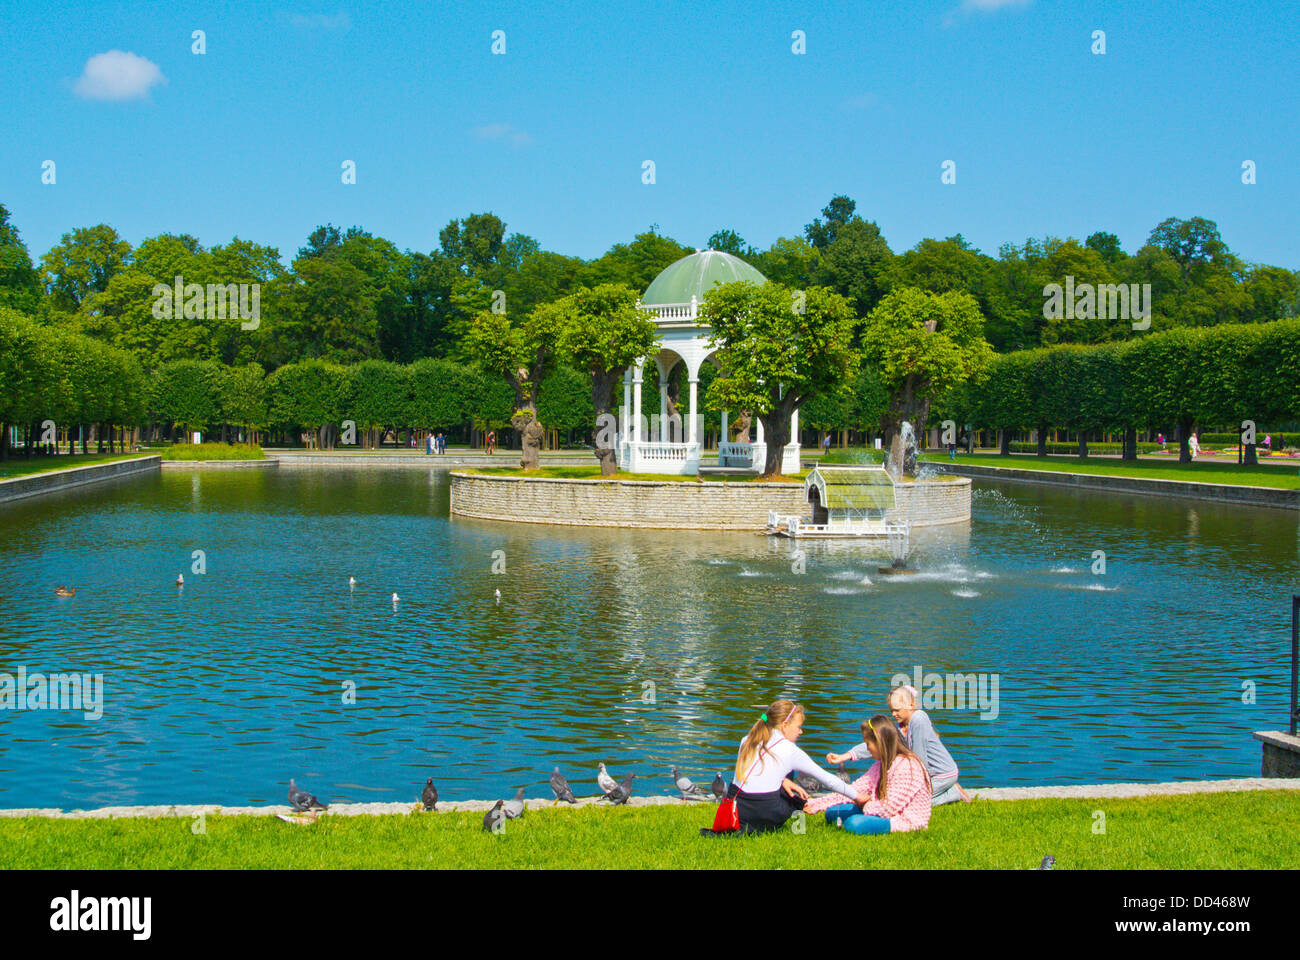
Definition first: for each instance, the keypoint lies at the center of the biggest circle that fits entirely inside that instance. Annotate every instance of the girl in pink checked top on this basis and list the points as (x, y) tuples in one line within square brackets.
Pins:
[(897, 782)]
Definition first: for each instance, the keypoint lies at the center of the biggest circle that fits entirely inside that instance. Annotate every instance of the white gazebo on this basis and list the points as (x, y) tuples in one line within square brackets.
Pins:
[(667, 445)]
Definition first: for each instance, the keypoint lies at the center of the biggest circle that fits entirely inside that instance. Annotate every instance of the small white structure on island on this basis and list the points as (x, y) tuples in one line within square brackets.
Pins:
[(847, 501), (672, 444)]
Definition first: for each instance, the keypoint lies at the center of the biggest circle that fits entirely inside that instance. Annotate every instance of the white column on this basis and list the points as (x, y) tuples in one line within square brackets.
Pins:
[(724, 436), (636, 405), (794, 426), (758, 437), (663, 410), (627, 405), (690, 433)]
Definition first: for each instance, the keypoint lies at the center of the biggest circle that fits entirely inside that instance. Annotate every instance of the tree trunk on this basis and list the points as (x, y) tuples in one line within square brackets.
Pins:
[(1130, 451), (1042, 440), (1004, 442), (602, 396), (1083, 444), (776, 433), (1184, 438)]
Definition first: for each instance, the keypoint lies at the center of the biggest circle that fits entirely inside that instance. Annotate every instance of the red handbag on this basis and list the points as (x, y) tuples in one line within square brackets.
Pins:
[(727, 819)]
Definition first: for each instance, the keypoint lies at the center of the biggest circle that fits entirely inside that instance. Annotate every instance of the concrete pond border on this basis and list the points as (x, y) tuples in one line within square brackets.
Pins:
[(1100, 791)]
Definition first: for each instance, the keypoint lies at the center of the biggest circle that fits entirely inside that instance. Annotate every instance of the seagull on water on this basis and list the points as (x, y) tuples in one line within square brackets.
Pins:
[(180, 579)]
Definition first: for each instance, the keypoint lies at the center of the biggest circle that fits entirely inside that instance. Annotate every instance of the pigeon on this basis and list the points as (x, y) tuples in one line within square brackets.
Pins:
[(1049, 861), (719, 787), (429, 795), (688, 790), (494, 819), (843, 774), (301, 800), (560, 787), (606, 782), (515, 808), (810, 783), (621, 791)]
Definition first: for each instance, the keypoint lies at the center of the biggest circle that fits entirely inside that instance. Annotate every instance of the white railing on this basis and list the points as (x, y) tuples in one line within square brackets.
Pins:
[(735, 454), (663, 451), (797, 526), (676, 312)]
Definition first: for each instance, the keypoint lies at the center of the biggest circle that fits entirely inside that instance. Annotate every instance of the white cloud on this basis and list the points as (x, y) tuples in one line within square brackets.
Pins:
[(969, 7), (321, 21), (503, 131), (117, 75)]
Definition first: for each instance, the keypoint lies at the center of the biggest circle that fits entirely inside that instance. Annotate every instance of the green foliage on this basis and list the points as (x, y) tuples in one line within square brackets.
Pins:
[(187, 393), (924, 345), (213, 451), (307, 394)]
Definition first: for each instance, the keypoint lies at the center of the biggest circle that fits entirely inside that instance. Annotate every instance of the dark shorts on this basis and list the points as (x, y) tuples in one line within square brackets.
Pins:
[(761, 812)]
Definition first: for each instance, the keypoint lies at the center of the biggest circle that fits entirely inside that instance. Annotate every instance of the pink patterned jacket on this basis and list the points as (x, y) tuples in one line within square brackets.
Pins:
[(907, 804)]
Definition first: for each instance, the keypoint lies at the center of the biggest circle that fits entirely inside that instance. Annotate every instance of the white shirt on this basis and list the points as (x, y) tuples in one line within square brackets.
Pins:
[(768, 769)]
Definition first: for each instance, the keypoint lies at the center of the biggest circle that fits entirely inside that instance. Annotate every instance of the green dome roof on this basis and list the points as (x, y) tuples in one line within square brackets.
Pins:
[(696, 274)]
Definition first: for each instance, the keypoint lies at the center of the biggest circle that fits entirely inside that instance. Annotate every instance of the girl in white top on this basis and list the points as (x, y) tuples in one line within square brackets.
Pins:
[(765, 798)]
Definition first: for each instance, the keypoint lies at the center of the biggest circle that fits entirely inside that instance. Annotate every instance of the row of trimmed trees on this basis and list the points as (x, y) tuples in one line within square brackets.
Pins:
[(55, 385), (1187, 378)]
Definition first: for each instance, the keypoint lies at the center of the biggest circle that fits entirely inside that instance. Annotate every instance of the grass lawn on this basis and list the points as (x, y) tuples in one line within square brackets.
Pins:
[(1249, 830), (19, 467), (1200, 471), (593, 473), (213, 451)]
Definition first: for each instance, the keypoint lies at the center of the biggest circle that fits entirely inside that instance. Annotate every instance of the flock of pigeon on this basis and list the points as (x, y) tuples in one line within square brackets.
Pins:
[(611, 790)]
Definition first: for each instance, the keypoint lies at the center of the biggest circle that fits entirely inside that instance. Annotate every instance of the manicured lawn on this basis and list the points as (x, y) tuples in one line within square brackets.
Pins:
[(1281, 476), (1249, 830), (19, 467), (593, 473)]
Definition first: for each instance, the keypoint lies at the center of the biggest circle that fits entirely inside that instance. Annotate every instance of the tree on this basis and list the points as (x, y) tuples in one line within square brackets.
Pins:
[(923, 345), (82, 263), (186, 393), (856, 264), (602, 332), (376, 395), (242, 399), (837, 213), (634, 264), (308, 394), (729, 241), (520, 354), (778, 349), (20, 284)]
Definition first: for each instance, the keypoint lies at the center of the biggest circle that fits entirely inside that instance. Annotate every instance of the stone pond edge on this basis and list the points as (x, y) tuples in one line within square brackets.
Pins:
[(1102, 791)]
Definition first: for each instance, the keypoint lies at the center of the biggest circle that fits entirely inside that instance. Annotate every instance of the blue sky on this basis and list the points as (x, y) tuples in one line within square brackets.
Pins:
[(1048, 138)]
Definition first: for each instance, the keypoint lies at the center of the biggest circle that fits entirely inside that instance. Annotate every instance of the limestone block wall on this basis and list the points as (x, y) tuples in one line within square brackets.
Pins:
[(703, 505)]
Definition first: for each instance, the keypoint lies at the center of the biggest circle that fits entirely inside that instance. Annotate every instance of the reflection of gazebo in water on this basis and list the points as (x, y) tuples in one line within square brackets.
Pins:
[(669, 445), (847, 501)]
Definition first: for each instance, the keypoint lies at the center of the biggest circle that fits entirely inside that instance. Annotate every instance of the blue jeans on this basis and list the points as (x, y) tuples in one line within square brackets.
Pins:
[(848, 816)]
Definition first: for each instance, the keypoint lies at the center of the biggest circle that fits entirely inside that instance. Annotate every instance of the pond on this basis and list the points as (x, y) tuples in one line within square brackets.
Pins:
[(639, 648)]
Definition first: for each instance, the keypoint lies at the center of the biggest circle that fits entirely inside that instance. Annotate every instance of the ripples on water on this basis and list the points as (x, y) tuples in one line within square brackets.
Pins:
[(223, 690)]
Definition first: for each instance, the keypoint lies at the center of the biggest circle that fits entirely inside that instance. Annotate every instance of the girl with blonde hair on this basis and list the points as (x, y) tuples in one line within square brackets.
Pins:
[(765, 796)]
